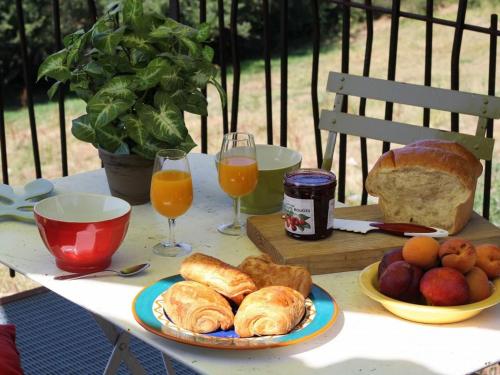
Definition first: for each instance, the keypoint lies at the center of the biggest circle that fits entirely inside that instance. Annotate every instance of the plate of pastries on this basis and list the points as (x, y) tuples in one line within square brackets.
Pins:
[(258, 304)]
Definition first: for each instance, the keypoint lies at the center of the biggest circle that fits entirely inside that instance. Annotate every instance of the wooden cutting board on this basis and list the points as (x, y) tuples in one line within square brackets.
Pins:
[(344, 251)]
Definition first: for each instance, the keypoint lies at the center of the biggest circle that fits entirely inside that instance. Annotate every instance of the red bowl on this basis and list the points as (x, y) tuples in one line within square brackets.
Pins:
[(82, 230)]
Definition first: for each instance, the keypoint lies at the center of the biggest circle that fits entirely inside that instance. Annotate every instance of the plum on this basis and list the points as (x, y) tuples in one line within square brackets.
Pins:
[(390, 257), (401, 280)]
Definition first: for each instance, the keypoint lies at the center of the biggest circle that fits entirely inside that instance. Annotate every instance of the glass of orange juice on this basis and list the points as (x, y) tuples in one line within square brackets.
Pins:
[(171, 196), (237, 174)]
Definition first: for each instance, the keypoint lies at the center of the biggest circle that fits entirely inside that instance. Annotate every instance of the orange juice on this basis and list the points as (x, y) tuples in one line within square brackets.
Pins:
[(238, 175), (171, 192)]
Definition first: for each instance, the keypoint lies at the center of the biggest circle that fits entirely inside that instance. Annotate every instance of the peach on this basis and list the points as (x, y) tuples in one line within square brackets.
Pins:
[(479, 285), (401, 281), (421, 251), (488, 259), (444, 286), (388, 258), (458, 253)]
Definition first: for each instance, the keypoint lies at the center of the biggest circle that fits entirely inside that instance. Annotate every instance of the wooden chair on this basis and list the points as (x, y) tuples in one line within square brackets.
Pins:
[(335, 121)]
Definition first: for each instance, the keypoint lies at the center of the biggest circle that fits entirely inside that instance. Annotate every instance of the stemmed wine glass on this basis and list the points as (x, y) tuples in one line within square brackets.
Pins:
[(237, 174), (171, 196)]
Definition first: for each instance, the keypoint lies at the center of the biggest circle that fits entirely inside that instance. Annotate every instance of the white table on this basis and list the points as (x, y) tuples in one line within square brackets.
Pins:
[(365, 338)]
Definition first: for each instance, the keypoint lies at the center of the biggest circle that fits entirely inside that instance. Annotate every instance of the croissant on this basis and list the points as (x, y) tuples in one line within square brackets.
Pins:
[(224, 278), (265, 273), (197, 308), (273, 310)]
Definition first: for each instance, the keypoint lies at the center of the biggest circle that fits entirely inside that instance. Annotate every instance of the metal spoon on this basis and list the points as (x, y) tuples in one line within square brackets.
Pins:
[(125, 272)]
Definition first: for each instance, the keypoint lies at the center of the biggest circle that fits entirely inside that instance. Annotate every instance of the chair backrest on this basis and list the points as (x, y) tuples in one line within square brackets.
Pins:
[(335, 121)]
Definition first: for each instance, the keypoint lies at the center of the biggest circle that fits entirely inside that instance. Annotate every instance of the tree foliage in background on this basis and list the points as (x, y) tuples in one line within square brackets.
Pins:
[(74, 15)]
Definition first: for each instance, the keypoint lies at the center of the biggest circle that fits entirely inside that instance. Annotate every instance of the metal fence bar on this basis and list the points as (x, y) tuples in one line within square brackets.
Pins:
[(203, 119), (362, 101), (489, 129), (414, 16), (3, 142), (428, 55), (267, 72), (455, 57), (60, 94), (236, 65), (222, 61), (346, 31), (92, 10), (174, 9), (29, 91), (314, 81), (393, 53), (284, 73)]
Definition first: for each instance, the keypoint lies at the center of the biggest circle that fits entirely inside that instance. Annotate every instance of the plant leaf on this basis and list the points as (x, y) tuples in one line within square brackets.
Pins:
[(221, 91), (208, 53), (119, 87), (165, 124), (187, 144), (82, 129), (76, 47), (53, 89), (135, 129), (150, 76), (71, 38), (162, 98), (171, 80), (106, 42), (139, 42), (195, 103), (132, 11), (54, 67), (193, 47), (150, 147), (204, 32), (105, 109), (109, 138)]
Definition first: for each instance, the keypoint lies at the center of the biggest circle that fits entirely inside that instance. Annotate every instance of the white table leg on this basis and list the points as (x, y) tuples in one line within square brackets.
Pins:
[(121, 350)]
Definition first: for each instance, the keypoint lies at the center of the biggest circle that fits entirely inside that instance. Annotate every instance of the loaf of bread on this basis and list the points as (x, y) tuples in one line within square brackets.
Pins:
[(429, 182)]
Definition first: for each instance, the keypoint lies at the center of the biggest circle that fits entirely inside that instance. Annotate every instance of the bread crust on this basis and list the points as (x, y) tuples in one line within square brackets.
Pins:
[(427, 158), (224, 278), (454, 147), (432, 155), (265, 272)]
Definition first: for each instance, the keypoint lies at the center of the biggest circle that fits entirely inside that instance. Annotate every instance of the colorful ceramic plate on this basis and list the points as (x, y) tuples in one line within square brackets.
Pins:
[(321, 313)]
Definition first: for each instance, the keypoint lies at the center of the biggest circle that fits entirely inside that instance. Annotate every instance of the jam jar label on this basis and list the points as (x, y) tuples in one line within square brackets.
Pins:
[(299, 215), (331, 207)]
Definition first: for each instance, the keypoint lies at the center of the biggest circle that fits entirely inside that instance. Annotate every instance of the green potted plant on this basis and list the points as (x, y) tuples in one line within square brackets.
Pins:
[(137, 71)]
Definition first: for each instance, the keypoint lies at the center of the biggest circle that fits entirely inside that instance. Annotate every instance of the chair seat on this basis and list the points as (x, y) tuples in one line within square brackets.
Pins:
[(56, 336)]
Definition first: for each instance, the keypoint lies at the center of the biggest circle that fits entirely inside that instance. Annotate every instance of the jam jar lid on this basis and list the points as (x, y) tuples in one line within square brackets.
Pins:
[(310, 177)]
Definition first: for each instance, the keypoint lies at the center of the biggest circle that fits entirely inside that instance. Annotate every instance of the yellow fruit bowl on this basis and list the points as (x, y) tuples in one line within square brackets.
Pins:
[(368, 282)]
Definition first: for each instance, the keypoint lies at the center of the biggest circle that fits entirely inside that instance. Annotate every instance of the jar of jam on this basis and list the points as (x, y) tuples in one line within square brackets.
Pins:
[(308, 203)]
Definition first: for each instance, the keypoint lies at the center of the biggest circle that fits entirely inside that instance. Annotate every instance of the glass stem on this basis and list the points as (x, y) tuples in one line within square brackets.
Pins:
[(236, 222), (171, 231)]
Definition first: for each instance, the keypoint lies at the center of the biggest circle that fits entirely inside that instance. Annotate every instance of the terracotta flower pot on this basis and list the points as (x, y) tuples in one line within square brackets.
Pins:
[(129, 176)]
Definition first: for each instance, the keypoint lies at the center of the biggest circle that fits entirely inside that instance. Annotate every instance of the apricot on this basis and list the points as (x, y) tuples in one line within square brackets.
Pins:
[(458, 253), (401, 281), (444, 286), (421, 251), (488, 259), (388, 258), (479, 285)]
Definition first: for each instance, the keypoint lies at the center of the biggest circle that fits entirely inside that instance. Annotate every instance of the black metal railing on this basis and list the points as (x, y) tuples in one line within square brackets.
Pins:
[(229, 34)]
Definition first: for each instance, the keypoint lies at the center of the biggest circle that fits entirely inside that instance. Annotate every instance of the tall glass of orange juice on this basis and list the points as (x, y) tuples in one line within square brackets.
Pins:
[(238, 174), (171, 196)]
